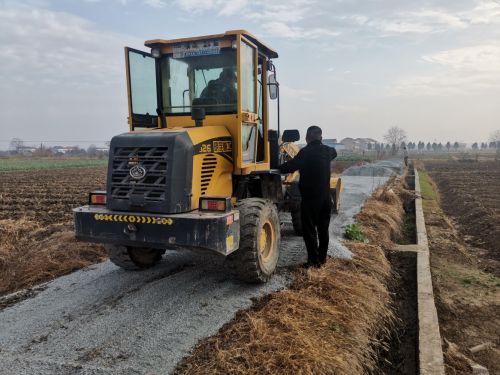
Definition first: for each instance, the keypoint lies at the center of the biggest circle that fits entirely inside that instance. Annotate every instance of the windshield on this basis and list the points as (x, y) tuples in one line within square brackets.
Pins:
[(207, 81)]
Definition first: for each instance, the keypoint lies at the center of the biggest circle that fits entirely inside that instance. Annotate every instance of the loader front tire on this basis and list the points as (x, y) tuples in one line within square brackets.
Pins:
[(257, 257), (133, 258)]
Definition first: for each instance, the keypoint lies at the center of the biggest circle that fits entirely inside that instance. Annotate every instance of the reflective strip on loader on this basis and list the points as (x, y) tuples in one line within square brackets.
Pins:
[(134, 219)]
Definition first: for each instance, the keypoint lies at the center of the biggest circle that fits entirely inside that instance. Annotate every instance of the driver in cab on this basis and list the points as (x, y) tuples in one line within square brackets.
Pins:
[(223, 89)]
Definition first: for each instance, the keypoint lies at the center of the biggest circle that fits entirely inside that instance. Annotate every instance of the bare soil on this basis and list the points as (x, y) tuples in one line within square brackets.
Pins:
[(467, 296), (470, 196), (47, 196), (36, 224)]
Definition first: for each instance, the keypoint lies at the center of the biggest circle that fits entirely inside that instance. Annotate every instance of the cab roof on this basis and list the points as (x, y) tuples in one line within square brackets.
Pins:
[(266, 50)]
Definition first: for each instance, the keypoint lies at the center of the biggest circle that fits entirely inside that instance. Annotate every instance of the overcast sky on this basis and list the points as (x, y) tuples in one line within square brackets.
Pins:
[(353, 67)]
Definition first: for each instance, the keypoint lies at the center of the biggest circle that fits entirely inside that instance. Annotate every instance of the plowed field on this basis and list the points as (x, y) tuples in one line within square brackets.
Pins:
[(47, 196), (470, 195), (36, 224)]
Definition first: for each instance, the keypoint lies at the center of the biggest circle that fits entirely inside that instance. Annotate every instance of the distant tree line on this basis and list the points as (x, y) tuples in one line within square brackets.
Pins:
[(18, 147), (430, 147), (396, 140)]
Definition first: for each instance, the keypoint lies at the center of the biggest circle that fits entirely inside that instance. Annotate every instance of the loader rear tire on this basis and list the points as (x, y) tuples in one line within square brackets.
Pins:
[(133, 258), (257, 257)]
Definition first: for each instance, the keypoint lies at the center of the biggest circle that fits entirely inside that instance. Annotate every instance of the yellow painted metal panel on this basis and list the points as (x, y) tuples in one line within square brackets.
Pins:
[(211, 120)]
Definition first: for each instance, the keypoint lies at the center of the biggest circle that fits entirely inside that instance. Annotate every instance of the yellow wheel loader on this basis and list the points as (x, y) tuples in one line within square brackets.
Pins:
[(288, 150), (197, 168)]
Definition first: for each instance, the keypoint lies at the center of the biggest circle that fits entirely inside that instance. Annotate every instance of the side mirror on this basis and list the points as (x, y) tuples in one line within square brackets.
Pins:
[(290, 135), (273, 86)]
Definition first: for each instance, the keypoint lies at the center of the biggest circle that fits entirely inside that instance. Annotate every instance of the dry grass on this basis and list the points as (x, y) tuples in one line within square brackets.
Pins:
[(333, 320), (31, 253)]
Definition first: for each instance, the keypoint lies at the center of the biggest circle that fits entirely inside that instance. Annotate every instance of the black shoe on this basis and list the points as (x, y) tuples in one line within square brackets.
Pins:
[(323, 261), (308, 265), (311, 265)]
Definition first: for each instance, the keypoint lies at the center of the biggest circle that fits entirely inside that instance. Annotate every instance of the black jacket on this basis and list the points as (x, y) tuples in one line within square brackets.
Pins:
[(313, 164)]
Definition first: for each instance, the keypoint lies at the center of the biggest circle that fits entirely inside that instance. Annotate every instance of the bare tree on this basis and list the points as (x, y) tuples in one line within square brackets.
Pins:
[(395, 136), (92, 150), (16, 144)]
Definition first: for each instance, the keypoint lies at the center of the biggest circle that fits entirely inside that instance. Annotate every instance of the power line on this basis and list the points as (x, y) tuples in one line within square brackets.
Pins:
[(61, 141)]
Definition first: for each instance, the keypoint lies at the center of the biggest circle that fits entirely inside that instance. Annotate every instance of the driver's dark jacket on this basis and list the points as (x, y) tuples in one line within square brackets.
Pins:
[(221, 91), (313, 164)]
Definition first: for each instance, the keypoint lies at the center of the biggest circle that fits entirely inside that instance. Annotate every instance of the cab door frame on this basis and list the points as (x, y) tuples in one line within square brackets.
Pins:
[(249, 118), (142, 120)]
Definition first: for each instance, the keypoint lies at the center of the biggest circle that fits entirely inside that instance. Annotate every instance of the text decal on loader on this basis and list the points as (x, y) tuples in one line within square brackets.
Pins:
[(216, 145)]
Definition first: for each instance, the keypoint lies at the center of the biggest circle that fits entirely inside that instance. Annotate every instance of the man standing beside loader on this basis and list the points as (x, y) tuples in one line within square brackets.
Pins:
[(313, 163)]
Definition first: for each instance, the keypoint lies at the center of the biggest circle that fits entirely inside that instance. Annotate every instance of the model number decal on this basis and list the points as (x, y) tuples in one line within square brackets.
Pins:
[(205, 147), (221, 145), (216, 146)]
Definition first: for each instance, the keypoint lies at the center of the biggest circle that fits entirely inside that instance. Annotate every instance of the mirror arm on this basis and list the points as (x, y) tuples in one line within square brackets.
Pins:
[(278, 97), (278, 90)]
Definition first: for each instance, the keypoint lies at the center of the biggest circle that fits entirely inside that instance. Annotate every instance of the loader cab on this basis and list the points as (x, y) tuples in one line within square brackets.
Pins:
[(226, 78)]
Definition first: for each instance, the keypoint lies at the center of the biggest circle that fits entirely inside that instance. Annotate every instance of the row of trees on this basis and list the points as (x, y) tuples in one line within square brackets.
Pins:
[(18, 147), (396, 137), (436, 147)]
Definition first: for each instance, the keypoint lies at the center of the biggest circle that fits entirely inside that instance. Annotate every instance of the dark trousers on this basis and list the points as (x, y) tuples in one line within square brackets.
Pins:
[(315, 215)]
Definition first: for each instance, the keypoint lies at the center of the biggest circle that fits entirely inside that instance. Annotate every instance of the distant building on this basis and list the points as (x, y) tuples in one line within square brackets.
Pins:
[(63, 149), (334, 143), (357, 144), (25, 150)]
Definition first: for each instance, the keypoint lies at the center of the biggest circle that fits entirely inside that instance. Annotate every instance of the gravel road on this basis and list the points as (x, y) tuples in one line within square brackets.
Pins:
[(103, 320)]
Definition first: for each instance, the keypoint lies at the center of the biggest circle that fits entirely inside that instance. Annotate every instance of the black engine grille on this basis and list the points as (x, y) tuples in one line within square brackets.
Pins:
[(151, 188)]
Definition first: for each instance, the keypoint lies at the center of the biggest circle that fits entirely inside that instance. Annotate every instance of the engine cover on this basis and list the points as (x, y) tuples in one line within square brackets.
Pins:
[(142, 174)]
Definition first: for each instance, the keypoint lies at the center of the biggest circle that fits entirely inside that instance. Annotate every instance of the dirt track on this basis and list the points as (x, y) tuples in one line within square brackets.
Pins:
[(103, 320)]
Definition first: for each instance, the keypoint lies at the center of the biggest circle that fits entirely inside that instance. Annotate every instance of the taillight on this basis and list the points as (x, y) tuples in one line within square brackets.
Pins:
[(221, 204), (97, 198)]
